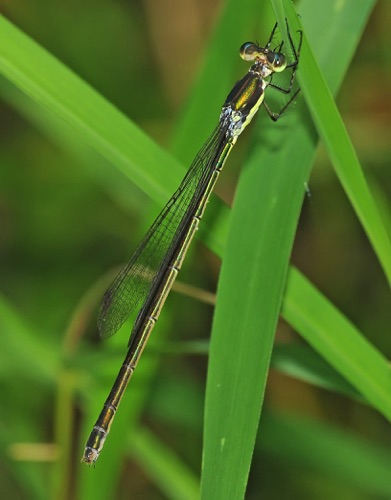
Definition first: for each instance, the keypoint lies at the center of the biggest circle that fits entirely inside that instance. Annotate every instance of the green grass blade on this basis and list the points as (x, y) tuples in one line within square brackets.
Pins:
[(342, 154), (303, 363), (338, 457), (98, 123), (93, 118), (251, 285), (250, 291), (22, 351), (338, 341), (161, 464), (298, 361), (24, 359)]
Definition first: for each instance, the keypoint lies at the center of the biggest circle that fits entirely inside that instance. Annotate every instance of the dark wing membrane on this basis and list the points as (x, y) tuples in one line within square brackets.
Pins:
[(136, 283)]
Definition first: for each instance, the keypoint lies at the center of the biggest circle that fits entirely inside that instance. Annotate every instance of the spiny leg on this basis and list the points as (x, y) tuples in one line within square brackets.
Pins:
[(293, 64), (269, 42), (296, 53), (275, 116)]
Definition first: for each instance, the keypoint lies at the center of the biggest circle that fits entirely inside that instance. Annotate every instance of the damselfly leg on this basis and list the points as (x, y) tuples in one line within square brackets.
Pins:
[(295, 52)]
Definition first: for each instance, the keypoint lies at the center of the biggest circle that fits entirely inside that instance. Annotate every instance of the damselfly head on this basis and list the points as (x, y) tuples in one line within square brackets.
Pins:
[(275, 61)]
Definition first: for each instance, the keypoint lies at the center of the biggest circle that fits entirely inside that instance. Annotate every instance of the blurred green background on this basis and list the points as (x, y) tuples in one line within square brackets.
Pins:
[(68, 220)]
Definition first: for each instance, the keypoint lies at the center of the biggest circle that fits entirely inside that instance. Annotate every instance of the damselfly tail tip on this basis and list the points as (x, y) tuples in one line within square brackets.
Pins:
[(90, 456)]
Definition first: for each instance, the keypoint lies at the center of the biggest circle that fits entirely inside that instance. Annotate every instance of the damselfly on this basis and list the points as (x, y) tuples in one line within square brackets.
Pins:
[(145, 282)]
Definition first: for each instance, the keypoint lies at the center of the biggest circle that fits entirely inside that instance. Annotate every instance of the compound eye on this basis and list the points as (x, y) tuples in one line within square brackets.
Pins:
[(277, 61), (249, 51)]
